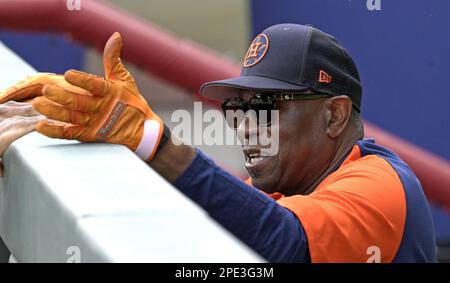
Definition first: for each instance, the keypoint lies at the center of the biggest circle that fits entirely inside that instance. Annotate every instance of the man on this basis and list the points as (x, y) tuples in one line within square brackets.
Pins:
[(327, 195)]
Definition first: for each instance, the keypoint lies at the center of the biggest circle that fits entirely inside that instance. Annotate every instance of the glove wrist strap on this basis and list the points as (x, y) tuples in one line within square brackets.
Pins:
[(150, 138)]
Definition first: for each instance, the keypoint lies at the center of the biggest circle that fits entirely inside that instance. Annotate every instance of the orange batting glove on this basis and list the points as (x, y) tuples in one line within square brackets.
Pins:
[(112, 109), (31, 87)]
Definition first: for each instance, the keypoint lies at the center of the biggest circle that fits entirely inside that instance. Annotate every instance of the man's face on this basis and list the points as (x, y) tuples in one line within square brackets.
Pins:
[(304, 148)]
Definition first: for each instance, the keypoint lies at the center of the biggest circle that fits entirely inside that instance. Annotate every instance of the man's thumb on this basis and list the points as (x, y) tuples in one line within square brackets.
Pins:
[(114, 69)]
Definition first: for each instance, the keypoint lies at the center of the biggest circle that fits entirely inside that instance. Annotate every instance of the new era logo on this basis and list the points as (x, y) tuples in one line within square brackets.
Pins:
[(324, 77)]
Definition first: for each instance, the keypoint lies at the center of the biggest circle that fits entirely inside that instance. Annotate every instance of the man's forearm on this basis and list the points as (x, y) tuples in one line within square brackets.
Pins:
[(259, 221), (172, 160)]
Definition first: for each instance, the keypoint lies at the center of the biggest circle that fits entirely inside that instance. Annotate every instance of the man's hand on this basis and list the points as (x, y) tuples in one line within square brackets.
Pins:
[(31, 87), (16, 120), (111, 110)]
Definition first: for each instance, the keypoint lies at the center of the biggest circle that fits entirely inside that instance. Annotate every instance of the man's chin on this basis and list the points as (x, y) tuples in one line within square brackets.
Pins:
[(264, 186)]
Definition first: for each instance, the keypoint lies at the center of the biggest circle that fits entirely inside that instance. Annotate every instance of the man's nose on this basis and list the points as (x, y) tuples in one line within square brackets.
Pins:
[(248, 127)]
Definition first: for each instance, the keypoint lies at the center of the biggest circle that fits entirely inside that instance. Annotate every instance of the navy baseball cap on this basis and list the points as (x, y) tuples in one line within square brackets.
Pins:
[(293, 58)]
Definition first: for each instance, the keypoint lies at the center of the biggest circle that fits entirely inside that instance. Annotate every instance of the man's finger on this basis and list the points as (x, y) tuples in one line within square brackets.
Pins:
[(20, 92), (13, 103), (18, 124), (13, 128), (114, 68), (94, 84), (59, 130), (71, 100), (29, 87), (12, 108), (60, 113)]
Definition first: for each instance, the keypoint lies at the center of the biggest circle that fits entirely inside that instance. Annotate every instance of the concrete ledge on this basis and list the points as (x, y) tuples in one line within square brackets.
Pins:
[(103, 202)]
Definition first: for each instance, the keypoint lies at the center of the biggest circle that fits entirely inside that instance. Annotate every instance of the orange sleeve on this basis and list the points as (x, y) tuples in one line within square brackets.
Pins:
[(359, 206)]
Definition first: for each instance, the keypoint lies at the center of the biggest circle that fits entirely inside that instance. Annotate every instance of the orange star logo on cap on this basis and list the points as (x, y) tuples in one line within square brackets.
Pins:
[(257, 50)]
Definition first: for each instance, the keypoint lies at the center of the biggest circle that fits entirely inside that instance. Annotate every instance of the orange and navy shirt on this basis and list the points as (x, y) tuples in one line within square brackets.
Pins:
[(370, 209)]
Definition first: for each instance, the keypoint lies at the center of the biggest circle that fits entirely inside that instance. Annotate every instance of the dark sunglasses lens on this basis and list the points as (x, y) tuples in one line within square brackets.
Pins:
[(262, 105), (234, 111)]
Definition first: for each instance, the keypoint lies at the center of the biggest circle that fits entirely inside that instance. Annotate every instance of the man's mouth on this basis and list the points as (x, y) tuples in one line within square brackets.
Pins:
[(253, 158)]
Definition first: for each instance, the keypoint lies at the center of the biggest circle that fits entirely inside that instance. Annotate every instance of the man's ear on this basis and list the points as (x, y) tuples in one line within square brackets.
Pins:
[(338, 110)]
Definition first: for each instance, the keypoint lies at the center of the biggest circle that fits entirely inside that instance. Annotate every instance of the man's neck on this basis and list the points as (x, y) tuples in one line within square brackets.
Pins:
[(343, 148)]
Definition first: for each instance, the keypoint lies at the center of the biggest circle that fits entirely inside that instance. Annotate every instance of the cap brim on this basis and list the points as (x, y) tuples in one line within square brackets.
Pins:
[(223, 89)]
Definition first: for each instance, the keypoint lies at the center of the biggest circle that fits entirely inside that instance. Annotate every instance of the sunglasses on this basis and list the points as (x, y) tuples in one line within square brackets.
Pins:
[(262, 104)]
